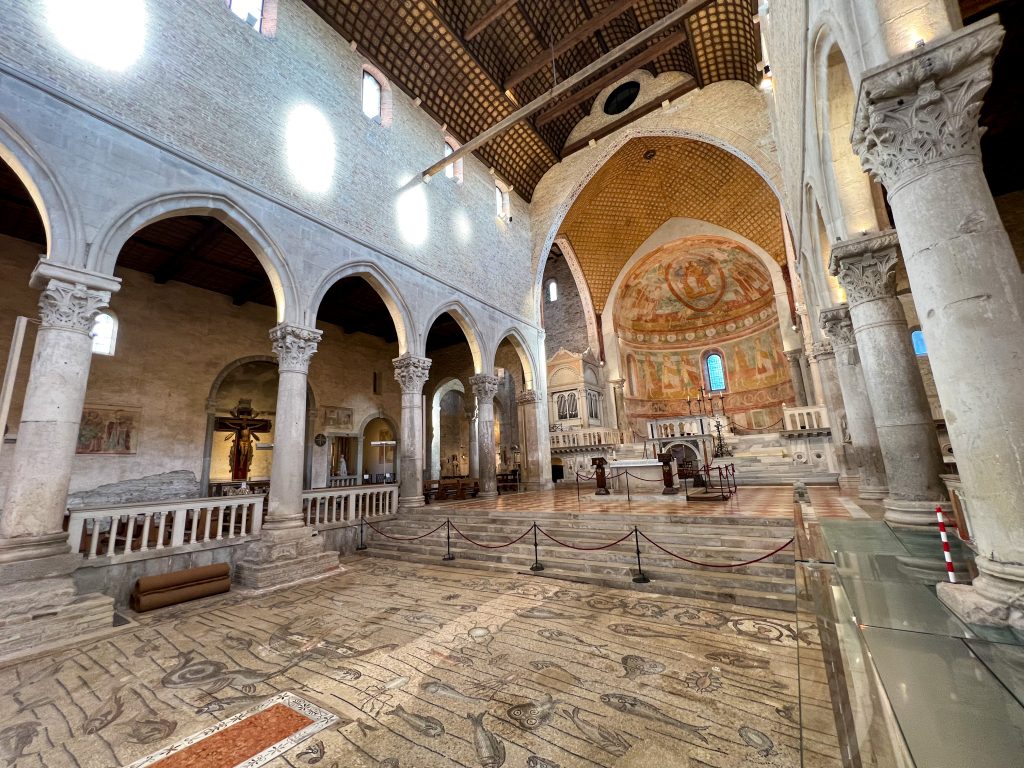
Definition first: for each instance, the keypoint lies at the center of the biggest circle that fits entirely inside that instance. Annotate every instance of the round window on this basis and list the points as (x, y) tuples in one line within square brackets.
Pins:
[(621, 98)]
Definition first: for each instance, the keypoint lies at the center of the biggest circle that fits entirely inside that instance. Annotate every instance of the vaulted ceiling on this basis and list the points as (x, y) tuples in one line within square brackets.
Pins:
[(475, 62), (653, 179)]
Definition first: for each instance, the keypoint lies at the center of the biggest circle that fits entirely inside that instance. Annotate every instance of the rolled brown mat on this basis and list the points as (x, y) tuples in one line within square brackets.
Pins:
[(182, 578), (147, 602)]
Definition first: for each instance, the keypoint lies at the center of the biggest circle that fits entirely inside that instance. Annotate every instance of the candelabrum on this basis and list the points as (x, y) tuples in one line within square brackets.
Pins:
[(705, 404), (721, 449)]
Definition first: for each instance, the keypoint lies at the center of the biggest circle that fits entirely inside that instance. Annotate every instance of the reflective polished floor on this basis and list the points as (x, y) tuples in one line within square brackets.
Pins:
[(433, 666)]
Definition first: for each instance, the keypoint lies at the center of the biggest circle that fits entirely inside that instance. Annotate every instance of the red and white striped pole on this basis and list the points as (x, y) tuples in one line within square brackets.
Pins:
[(945, 545)]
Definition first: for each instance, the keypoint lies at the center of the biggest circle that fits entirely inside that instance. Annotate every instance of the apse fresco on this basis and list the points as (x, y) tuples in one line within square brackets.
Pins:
[(688, 298), (688, 287)]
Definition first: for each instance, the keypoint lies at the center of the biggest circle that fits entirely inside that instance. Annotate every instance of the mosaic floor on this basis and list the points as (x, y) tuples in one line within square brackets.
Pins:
[(427, 666)]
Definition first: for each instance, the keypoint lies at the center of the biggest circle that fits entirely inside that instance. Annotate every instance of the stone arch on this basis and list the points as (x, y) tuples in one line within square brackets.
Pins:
[(449, 384), (583, 287), (469, 327), (384, 287), (518, 342), (103, 256), (767, 169), (363, 446), (64, 234), (849, 190)]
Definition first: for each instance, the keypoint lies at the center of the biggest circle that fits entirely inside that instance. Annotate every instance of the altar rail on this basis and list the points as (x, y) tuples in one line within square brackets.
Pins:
[(328, 506), (342, 481), (582, 438), (678, 426), (124, 529), (805, 417)]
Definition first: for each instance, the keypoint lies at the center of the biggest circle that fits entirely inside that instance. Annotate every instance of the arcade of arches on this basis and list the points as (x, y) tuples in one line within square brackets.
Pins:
[(295, 290)]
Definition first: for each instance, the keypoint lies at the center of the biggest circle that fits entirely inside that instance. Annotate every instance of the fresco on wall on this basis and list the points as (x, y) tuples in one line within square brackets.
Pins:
[(690, 286), (109, 430)]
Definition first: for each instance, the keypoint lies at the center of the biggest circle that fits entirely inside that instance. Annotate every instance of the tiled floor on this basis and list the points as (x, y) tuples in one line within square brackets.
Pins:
[(429, 666)]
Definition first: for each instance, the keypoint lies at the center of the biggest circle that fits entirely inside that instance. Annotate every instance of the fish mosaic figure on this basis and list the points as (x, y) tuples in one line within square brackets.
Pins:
[(607, 739), (631, 705), (636, 666), (436, 688), (738, 660), (422, 724), (564, 638), (761, 742), (490, 750), (532, 714)]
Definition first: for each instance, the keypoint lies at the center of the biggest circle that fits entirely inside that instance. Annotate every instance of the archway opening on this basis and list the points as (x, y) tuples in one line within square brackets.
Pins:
[(511, 439), (452, 426)]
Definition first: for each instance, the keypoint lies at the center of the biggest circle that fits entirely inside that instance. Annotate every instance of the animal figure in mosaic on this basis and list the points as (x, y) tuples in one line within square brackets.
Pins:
[(637, 630), (543, 665), (703, 682), (631, 705), (607, 739), (700, 617), (532, 714), (425, 725), (105, 714), (15, 739), (761, 742), (436, 688), (636, 666), (543, 612), (313, 754), (214, 675), (786, 712), (539, 762), (645, 608), (764, 631), (147, 726), (219, 705), (564, 638), (490, 750), (738, 660)]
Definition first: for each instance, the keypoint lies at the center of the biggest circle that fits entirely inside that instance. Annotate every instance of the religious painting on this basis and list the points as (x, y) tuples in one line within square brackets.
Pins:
[(336, 417), (111, 430)]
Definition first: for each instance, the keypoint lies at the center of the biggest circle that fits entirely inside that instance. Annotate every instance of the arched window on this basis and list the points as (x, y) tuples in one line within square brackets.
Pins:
[(104, 334), (917, 339), (714, 367), (552, 290), (371, 96), (501, 201), (249, 11), (452, 170)]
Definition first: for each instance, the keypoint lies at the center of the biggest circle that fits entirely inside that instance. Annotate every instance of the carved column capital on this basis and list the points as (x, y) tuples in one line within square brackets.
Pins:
[(70, 306), (528, 397), (866, 266), (411, 373), (793, 355), (922, 108), (294, 346), (838, 325), (822, 349), (484, 385)]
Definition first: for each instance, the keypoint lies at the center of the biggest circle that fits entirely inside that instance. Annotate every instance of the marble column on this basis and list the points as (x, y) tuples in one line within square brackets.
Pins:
[(411, 373), (916, 129), (860, 422), (287, 550), (535, 459), (824, 358), (805, 369), (294, 347), (40, 602), (473, 446), (866, 268), (486, 386), (796, 375), (619, 402)]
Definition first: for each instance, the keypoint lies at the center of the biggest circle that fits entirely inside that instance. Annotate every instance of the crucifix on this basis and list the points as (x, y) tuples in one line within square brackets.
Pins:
[(243, 425)]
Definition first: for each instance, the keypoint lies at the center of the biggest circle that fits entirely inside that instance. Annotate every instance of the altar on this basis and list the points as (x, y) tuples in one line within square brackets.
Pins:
[(644, 476)]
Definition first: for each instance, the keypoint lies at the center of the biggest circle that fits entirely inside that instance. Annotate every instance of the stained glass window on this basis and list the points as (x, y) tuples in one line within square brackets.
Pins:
[(716, 372), (917, 339)]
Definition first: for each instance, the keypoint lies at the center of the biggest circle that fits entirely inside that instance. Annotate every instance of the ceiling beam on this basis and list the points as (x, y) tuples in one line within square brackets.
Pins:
[(670, 19), (582, 32), (199, 243), (490, 16), (645, 56)]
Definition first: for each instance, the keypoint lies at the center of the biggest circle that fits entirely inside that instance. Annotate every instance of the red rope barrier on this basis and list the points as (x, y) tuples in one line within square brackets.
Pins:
[(491, 546), (584, 549), (714, 565), (404, 538)]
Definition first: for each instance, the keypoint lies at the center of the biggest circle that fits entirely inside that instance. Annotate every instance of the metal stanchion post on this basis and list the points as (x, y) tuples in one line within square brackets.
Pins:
[(536, 563), (448, 533), (362, 540), (641, 577)]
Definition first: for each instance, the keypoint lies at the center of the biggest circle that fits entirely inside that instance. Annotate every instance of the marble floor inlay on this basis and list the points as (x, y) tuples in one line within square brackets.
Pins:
[(427, 666)]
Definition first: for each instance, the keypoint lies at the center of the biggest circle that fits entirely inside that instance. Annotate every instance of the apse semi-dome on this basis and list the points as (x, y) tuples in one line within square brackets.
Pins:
[(692, 290)]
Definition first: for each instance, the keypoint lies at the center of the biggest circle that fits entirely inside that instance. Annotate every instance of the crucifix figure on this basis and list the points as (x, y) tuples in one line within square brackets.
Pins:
[(243, 426)]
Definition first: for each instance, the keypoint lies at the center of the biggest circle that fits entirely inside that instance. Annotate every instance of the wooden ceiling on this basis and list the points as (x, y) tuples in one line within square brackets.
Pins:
[(651, 180), (474, 62)]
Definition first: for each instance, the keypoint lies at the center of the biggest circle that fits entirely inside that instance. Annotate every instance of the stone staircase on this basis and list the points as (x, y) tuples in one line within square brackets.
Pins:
[(767, 460), (707, 538)]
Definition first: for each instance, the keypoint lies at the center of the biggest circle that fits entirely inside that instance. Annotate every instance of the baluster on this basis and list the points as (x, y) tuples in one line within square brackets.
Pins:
[(161, 523), (147, 520), (178, 526), (129, 534), (257, 515), (75, 527), (95, 537), (231, 520), (245, 518), (112, 541), (220, 520)]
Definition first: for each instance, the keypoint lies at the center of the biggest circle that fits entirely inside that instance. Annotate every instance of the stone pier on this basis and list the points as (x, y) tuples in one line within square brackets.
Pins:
[(411, 373), (486, 387)]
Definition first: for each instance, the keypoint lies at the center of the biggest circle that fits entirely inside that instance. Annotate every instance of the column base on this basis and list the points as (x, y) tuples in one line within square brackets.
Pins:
[(874, 493), (916, 513), (284, 556), (411, 502), (487, 495), (41, 606), (988, 602)]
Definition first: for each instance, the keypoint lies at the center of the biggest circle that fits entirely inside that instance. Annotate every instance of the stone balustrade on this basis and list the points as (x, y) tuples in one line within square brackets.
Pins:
[(125, 529), (805, 417), (585, 438), (342, 481), (332, 506), (677, 426)]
